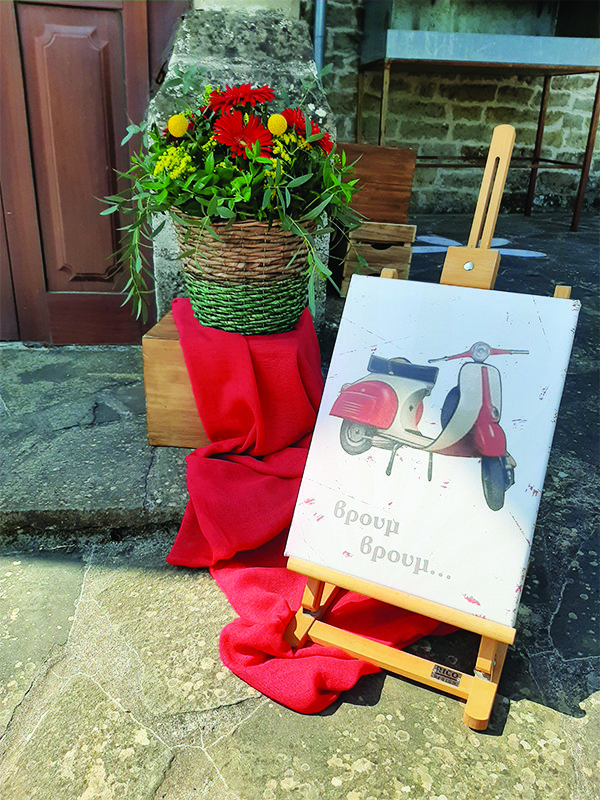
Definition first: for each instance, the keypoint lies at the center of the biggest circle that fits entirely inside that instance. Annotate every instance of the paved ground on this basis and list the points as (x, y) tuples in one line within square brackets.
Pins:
[(110, 680)]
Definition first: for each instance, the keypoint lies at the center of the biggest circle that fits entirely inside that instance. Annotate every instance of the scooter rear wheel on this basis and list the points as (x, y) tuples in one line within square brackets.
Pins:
[(356, 437), (493, 479)]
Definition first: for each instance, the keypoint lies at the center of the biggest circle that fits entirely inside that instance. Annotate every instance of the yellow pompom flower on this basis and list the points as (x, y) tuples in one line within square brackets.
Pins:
[(177, 125), (175, 161), (277, 124)]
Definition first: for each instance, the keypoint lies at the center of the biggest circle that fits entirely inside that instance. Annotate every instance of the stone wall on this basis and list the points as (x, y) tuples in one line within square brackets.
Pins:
[(453, 116)]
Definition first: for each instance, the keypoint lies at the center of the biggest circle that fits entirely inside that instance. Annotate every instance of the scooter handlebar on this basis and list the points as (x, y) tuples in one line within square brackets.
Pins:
[(479, 352)]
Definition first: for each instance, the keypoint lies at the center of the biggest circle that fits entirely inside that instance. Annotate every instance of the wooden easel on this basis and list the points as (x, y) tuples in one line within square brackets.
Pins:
[(475, 266)]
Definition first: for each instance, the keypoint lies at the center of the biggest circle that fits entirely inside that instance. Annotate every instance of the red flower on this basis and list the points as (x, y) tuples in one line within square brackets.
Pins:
[(295, 119), (324, 142), (239, 96), (230, 129)]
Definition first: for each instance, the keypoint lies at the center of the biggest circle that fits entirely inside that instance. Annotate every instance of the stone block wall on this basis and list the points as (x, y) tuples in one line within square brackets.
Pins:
[(453, 116)]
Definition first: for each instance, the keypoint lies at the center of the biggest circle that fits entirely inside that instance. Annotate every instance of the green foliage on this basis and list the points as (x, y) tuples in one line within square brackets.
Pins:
[(229, 160)]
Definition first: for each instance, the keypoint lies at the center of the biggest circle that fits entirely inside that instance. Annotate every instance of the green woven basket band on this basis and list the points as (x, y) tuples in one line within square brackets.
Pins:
[(272, 307)]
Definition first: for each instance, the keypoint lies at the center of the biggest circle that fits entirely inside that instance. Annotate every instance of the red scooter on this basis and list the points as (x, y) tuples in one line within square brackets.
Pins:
[(384, 408)]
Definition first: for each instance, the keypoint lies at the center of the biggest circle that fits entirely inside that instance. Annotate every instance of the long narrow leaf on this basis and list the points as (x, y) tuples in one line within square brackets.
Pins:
[(315, 212)]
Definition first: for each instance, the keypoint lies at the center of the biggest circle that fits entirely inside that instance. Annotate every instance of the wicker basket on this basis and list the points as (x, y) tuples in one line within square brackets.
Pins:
[(243, 281)]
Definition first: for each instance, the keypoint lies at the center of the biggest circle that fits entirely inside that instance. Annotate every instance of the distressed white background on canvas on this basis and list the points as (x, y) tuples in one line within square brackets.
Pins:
[(437, 539)]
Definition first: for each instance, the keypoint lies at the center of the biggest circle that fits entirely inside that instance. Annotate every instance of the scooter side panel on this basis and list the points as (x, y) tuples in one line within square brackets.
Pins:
[(370, 402), (467, 411)]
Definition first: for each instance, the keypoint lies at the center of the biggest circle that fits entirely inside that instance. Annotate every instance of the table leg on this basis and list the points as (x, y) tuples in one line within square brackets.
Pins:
[(587, 159), (537, 150)]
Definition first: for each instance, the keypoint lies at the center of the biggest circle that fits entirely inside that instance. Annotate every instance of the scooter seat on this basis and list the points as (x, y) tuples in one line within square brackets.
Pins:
[(402, 368)]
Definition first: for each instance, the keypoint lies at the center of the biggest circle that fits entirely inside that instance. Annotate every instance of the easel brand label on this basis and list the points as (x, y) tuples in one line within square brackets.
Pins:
[(446, 675)]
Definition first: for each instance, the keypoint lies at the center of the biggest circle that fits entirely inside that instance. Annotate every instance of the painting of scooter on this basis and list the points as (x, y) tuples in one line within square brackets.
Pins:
[(383, 409)]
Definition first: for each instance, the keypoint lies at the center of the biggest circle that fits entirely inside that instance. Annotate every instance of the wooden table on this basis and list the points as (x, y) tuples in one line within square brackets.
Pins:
[(475, 53)]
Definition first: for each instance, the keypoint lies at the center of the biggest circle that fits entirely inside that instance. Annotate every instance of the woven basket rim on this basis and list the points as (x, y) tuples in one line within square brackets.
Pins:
[(245, 252)]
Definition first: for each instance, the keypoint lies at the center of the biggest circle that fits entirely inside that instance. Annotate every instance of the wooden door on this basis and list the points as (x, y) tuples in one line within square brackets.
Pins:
[(76, 72)]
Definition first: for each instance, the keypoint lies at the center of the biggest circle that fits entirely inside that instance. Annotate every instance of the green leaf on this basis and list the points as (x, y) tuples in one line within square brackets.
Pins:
[(315, 212), (132, 130), (299, 181), (312, 299), (212, 206), (361, 262), (281, 199), (187, 253), (314, 137), (188, 78), (158, 229)]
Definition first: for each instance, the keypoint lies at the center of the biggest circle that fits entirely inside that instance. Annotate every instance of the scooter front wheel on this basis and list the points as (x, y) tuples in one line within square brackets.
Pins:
[(493, 479), (356, 437)]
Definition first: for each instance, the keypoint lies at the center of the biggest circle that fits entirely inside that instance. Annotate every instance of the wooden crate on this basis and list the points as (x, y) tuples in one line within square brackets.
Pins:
[(171, 415), (385, 179), (382, 245)]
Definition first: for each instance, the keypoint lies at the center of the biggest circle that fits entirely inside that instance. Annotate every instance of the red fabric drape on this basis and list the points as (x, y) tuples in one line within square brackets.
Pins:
[(257, 397)]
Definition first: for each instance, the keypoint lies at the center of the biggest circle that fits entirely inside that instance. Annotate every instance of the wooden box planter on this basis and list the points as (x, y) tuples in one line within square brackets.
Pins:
[(385, 177), (382, 245), (171, 415)]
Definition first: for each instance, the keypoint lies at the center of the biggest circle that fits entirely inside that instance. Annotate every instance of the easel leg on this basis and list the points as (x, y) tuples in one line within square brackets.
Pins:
[(318, 597), (488, 669)]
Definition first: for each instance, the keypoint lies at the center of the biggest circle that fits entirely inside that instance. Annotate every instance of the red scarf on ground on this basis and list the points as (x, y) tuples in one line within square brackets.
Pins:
[(257, 397)]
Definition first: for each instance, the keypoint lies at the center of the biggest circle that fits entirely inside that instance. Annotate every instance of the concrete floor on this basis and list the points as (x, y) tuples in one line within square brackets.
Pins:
[(111, 685)]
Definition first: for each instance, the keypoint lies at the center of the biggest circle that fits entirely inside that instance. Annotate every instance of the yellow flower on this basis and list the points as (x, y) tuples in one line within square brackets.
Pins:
[(177, 125), (175, 161), (277, 124)]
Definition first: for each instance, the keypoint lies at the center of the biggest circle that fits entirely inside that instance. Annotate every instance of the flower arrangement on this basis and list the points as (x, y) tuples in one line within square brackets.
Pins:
[(234, 158)]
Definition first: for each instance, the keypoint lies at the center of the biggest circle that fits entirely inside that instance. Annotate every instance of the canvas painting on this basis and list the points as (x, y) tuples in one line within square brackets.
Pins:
[(432, 439)]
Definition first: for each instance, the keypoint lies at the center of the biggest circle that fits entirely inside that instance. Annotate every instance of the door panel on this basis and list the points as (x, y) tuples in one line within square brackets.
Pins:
[(73, 72)]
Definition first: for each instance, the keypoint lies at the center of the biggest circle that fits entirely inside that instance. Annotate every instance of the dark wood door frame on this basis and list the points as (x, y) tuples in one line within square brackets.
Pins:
[(9, 327), (16, 176)]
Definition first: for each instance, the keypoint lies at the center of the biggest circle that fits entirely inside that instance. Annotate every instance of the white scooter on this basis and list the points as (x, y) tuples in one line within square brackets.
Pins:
[(384, 408)]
